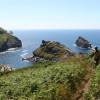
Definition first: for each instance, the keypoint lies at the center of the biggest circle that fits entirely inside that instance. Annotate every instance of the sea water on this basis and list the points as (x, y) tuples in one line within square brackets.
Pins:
[(31, 39)]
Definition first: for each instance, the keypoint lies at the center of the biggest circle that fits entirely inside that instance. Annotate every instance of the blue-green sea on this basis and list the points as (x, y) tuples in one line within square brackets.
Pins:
[(31, 39)]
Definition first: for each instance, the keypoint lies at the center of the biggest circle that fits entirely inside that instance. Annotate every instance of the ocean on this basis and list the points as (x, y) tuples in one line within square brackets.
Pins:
[(31, 39)]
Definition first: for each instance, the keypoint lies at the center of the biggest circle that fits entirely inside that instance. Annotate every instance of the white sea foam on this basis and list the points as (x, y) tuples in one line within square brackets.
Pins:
[(25, 51), (11, 50), (80, 47), (74, 45), (3, 52), (24, 54)]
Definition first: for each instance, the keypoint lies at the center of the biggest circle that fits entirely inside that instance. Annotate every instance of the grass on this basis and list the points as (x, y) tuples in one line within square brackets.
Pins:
[(93, 92), (4, 35), (44, 81)]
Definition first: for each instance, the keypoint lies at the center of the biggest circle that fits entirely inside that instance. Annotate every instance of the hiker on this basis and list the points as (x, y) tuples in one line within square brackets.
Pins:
[(96, 55)]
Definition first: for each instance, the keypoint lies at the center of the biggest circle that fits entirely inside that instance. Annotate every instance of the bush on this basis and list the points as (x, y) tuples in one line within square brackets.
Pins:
[(43, 81)]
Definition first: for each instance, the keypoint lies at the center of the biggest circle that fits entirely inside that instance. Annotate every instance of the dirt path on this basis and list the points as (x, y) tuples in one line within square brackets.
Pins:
[(84, 86)]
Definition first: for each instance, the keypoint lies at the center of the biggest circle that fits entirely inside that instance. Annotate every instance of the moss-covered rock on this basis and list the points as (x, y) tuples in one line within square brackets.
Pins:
[(8, 41), (52, 50)]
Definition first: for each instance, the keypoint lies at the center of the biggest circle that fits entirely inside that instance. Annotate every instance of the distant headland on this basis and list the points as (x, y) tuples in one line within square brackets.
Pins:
[(7, 40)]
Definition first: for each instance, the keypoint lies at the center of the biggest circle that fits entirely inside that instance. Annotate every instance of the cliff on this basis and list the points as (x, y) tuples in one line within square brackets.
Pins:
[(8, 41)]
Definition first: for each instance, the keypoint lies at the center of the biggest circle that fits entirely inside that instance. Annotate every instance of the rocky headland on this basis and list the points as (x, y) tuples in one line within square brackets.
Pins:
[(8, 41)]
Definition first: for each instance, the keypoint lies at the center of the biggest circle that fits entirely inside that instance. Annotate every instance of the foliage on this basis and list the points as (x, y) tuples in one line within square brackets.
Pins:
[(4, 36), (94, 90), (2, 30), (44, 81)]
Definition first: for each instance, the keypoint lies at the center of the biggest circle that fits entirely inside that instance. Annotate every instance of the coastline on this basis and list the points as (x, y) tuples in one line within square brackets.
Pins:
[(11, 50), (32, 41)]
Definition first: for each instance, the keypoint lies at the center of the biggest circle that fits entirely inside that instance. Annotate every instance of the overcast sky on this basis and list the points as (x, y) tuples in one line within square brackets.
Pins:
[(50, 14)]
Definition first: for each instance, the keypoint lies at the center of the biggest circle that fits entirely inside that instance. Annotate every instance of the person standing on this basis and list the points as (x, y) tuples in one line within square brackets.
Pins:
[(96, 55)]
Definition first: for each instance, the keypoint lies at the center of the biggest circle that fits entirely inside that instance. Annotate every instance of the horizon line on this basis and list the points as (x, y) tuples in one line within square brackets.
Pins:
[(57, 29)]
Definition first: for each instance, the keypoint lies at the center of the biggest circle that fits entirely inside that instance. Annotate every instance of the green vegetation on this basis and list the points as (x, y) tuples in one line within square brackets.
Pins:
[(4, 35), (73, 78), (94, 91), (45, 81), (2, 31), (8, 41)]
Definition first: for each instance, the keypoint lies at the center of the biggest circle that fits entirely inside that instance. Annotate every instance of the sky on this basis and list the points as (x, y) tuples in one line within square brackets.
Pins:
[(50, 14)]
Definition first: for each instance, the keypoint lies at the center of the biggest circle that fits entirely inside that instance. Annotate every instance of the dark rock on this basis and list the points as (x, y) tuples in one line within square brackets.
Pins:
[(13, 44), (82, 43)]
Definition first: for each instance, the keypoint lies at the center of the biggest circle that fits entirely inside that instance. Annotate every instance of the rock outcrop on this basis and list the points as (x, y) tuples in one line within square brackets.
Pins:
[(8, 41), (52, 50), (82, 43)]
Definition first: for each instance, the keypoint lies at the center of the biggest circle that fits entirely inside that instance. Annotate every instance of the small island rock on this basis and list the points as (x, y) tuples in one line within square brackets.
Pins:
[(82, 43), (52, 50)]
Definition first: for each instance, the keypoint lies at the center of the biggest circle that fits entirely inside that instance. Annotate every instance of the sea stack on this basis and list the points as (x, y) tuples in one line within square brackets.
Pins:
[(82, 43), (52, 50)]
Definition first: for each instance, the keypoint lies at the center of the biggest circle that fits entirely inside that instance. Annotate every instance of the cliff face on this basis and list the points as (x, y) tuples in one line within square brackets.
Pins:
[(8, 41), (82, 43)]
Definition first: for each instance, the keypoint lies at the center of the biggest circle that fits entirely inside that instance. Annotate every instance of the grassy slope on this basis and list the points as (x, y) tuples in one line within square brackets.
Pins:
[(5, 36), (93, 92), (44, 81)]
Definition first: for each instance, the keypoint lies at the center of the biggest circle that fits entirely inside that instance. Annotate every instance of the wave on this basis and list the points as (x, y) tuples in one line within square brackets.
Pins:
[(11, 50), (24, 54), (80, 47), (25, 51), (3, 52)]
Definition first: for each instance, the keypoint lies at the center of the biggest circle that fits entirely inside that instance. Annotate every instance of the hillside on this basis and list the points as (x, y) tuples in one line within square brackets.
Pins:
[(93, 92), (7, 40), (46, 80), (72, 77)]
